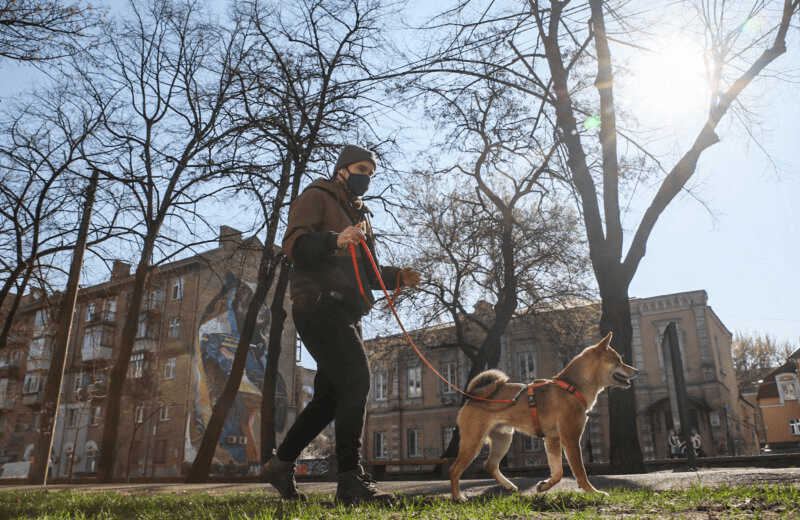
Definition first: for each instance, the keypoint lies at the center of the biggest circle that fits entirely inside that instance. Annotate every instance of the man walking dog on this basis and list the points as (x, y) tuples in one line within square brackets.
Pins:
[(327, 307)]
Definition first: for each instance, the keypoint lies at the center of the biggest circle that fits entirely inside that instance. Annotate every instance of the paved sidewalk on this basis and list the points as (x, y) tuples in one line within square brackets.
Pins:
[(658, 481)]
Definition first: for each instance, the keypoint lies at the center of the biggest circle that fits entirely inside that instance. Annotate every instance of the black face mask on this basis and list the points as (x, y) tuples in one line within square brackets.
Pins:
[(358, 183)]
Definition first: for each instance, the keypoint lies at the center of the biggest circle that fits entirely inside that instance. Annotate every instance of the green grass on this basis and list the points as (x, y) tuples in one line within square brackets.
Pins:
[(774, 501)]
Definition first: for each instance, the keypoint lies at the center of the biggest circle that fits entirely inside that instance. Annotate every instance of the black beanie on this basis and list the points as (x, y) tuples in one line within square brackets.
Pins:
[(352, 154)]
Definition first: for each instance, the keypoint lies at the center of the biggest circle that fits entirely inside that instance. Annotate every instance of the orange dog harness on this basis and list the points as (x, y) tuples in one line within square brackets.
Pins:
[(532, 399)]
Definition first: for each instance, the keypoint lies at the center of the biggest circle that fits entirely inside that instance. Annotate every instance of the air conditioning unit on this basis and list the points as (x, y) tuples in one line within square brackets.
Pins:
[(242, 440), (445, 400)]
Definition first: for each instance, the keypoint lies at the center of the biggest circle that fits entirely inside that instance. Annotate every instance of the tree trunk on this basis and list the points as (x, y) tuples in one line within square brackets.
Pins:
[(625, 453), (52, 393), (208, 446), (278, 314), (119, 371)]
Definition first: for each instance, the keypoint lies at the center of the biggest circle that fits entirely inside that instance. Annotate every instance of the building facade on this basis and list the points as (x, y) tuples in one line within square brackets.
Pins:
[(412, 412), (188, 331), (780, 409)]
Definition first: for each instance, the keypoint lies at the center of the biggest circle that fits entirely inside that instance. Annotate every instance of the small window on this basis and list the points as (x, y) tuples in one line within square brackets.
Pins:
[(162, 451), (174, 328), (414, 445), (530, 444), (96, 416), (169, 368), (448, 371), (78, 382), (177, 289), (31, 384), (110, 310), (89, 312), (527, 366), (163, 412), (73, 417), (414, 382), (138, 414), (794, 426), (447, 436), (380, 386), (380, 448), (137, 366)]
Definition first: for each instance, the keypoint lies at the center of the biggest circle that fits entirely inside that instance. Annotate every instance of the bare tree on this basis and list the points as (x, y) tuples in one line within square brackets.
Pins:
[(754, 356), (36, 30), (169, 73), (44, 151), (302, 93), (553, 51)]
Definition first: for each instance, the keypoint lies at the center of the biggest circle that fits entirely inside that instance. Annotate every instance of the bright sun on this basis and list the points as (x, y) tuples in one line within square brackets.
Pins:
[(667, 87)]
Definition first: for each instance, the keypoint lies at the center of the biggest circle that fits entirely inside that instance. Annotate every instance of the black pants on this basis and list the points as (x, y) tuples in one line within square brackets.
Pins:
[(333, 338)]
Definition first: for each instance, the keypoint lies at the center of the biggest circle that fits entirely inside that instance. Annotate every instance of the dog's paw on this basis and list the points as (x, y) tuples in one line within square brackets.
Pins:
[(459, 498), (542, 486)]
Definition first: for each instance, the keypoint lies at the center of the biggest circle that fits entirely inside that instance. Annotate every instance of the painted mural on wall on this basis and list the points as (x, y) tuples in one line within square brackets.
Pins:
[(238, 450)]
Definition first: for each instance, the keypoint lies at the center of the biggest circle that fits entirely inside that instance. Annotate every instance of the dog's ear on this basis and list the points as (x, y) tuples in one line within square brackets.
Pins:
[(605, 343)]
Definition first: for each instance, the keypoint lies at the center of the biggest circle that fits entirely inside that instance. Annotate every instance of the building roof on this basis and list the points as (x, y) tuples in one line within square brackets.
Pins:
[(768, 389)]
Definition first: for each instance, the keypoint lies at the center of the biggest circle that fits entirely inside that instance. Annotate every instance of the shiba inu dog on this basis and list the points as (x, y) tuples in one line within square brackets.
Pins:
[(554, 409)]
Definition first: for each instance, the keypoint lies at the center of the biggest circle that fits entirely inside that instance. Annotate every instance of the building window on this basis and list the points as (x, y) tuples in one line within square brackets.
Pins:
[(78, 382), (794, 426), (162, 450), (89, 312), (447, 436), (380, 386), (414, 445), (380, 447), (137, 366), (414, 382), (174, 331), (448, 371), (177, 289), (138, 414), (110, 310), (96, 414), (73, 417), (169, 368), (787, 389), (31, 384), (163, 412), (530, 444), (527, 366), (41, 318)]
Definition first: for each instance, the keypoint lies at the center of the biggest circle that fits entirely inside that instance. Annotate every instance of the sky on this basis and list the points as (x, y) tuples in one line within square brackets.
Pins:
[(741, 244)]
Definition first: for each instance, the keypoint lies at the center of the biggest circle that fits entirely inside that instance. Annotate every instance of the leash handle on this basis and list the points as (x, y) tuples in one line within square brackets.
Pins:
[(399, 322)]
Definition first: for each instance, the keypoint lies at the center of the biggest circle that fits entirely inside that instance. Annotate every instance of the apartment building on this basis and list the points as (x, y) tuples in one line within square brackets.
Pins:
[(412, 412), (188, 331)]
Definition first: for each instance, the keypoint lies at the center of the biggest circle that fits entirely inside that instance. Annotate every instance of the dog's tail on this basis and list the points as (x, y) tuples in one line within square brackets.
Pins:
[(486, 383)]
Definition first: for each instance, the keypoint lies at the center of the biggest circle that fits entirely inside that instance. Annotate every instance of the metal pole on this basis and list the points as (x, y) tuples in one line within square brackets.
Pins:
[(671, 339), (40, 465)]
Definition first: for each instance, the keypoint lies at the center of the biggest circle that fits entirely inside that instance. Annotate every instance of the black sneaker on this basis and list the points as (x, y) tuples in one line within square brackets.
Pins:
[(281, 475), (356, 486)]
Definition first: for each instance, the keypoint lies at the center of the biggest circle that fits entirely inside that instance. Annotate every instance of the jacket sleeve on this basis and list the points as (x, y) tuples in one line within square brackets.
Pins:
[(305, 241)]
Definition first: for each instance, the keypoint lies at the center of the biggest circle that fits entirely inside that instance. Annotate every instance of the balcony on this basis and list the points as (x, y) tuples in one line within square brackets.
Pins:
[(104, 317), (6, 403), (90, 353), (34, 364), (36, 398), (10, 369), (145, 345)]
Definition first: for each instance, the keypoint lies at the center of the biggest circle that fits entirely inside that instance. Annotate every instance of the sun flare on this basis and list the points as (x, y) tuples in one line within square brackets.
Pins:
[(668, 86)]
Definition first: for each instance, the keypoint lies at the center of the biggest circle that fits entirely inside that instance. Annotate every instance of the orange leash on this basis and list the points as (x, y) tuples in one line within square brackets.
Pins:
[(399, 322)]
